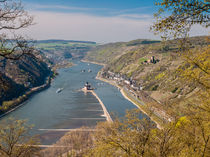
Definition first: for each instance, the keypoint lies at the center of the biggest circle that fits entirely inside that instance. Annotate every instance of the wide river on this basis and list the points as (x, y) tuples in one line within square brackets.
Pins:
[(71, 108)]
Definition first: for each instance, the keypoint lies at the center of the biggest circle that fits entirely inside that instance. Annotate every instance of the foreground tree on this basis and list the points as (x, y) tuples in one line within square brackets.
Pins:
[(188, 135), (196, 68), (127, 137), (15, 140), (13, 17), (183, 14), (134, 137)]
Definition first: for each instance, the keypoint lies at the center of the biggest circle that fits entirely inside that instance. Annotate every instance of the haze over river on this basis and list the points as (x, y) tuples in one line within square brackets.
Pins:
[(71, 108)]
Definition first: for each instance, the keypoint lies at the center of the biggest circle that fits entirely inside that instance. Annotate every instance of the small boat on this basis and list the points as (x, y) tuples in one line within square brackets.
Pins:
[(89, 70), (88, 87), (59, 90)]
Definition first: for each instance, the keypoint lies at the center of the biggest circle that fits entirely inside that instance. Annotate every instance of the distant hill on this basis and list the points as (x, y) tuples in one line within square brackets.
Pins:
[(141, 41), (160, 80), (108, 52), (60, 50), (64, 41)]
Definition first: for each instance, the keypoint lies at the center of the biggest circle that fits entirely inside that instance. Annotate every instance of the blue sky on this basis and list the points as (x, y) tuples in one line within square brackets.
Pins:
[(93, 7), (116, 5), (94, 20)]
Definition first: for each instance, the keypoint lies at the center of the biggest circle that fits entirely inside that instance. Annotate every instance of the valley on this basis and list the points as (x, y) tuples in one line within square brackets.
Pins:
[(151, 72), (21, 78), (104, 78), (146, 69)]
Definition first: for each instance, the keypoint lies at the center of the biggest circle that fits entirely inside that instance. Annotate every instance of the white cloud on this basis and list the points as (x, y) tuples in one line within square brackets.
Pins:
[(198, 30), (34, 6), (51, 25), (104, 11), (75, 26), (136, 16)]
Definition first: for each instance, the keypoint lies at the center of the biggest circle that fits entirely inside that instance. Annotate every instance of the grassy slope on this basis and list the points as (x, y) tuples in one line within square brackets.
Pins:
[(108, 52), (159, 80)]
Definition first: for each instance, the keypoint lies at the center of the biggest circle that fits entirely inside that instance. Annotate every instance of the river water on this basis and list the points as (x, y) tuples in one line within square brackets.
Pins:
[(71, 108)]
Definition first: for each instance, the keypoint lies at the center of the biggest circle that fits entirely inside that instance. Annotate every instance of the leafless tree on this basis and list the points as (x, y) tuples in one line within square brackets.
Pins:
[(13, 17)]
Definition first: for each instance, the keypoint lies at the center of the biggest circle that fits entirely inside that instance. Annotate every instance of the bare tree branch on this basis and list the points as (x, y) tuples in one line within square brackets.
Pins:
[(13, 17)]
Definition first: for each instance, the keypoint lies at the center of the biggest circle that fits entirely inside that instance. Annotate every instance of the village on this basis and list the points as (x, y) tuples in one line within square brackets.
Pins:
[(124, 80), (135, 90)]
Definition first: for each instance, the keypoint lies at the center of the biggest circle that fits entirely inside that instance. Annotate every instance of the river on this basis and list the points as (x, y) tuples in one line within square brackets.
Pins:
[(71, 108)]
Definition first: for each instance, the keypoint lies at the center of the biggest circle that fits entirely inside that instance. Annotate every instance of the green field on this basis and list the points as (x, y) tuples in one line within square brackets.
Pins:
[(63, 49)]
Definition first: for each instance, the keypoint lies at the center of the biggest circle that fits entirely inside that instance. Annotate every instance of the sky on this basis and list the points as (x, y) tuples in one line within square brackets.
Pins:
[(102, 21)]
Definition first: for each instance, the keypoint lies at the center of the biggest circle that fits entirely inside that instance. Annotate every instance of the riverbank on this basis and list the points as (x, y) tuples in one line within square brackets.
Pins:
[(106, 113), (144, 109), (62, 65), (137, 104), (10, 106), (92, 62)]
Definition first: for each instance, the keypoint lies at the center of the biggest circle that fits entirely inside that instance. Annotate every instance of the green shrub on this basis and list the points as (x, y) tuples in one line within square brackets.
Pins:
[(155, 87), (159, 76), (141, 60), (174, 90)]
